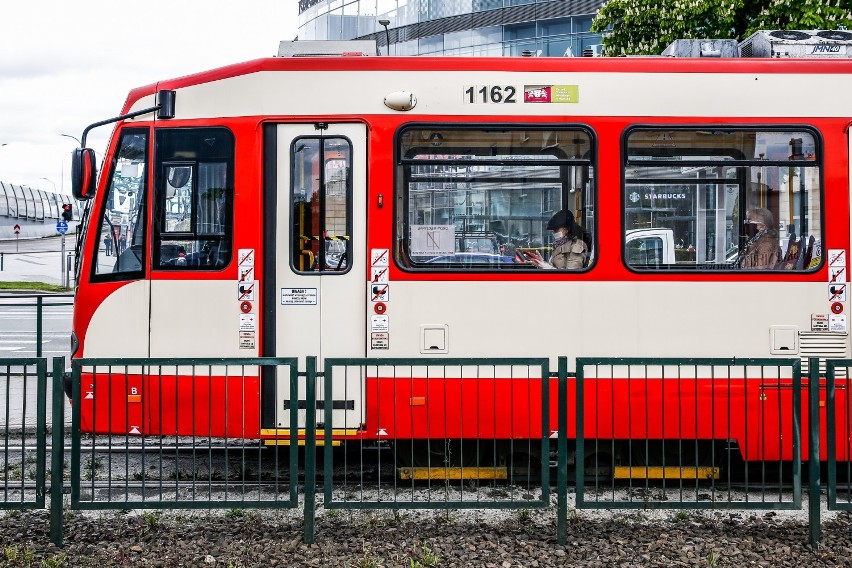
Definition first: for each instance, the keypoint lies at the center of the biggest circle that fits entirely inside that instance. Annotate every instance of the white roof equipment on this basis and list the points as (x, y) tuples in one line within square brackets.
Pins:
[(796, 43), (326, 48)]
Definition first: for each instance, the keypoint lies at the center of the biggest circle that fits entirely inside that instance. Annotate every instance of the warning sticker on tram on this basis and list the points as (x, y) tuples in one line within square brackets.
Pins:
[(836, 274), (245, 257), (247, 340), (836, 257), (379, 292), (248, 322), (379, 323), (837, 323), (380, 340), (837, 292), (380, 274), (379, 257), (246, 291), (298, 296)]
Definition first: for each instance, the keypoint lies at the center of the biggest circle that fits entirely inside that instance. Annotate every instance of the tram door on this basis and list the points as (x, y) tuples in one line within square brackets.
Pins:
[(320, 258)]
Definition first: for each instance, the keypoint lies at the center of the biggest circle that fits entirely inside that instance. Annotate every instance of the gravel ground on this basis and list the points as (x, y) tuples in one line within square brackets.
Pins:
[(417, 539)]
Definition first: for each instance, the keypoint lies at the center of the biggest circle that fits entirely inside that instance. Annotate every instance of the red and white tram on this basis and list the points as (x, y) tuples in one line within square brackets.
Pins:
[(381, 207)]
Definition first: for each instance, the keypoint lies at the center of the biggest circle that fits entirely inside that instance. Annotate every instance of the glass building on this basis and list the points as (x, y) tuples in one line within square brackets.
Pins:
[(543, 28)]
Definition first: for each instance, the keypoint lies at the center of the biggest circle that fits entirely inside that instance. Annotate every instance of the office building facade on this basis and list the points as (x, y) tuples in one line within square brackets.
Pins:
[(493, 28)]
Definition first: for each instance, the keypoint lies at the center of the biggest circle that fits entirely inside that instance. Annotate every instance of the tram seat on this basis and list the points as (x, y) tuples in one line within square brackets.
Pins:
[(798, 255), (807, 254)]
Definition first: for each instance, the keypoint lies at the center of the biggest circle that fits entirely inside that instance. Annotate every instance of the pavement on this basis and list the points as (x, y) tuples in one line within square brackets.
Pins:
[(36, 260)]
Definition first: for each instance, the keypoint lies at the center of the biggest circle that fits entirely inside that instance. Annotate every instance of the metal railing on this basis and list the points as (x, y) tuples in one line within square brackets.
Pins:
[(186, 444), (23, 390), (451, 433), (630, 433), (671, 433), (839, 442)]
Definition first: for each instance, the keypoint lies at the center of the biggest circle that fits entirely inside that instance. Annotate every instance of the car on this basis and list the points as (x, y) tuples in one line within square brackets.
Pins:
[(482, 242), (470, 258)]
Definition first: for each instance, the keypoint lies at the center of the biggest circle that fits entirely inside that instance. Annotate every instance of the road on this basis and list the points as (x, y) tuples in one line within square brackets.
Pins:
[(18, 339), (36, 260), (18, 325)]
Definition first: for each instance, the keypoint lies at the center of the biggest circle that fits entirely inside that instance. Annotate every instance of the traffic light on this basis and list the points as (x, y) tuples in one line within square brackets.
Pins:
[(67, 212)]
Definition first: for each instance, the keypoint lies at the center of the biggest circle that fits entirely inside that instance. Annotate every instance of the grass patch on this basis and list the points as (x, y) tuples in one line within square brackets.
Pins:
[(34, 286)]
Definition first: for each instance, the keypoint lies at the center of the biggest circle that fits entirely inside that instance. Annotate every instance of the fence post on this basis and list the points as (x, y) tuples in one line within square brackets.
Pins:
[(562, 452), (310, 447), (39, 310), (57, 453), (580, 452), (831, 440), (814, 532)]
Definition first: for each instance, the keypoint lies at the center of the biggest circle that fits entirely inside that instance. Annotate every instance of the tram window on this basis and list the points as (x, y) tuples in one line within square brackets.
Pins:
[(122, 216), (321, 205), (723, 198), (480, 198), (194, 199)]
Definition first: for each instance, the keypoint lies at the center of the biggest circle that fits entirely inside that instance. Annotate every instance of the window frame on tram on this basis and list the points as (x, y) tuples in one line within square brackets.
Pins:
[(580, 167), (747, 183)]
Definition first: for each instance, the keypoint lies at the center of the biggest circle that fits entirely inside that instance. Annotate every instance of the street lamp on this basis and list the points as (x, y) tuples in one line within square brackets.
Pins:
[(51, 181), (73, 138), (384, 24)]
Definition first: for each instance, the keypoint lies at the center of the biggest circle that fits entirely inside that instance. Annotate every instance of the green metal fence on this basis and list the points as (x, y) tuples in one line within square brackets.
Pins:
[(187, 443), (671, 433), (839, 442), (23, 392), (451, 433), (751, 409)]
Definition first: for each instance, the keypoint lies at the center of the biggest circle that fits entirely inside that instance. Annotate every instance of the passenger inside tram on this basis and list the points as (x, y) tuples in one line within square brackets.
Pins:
[(569, 250), (762, 250)]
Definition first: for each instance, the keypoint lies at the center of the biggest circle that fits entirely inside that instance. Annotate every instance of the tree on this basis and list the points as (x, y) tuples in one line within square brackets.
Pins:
[(646, 27)]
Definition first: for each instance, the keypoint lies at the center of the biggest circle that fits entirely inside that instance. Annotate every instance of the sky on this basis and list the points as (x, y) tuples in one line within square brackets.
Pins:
[(65, 65)]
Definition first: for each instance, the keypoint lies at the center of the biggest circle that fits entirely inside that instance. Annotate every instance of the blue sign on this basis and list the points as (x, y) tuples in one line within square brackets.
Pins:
[(61, 227)]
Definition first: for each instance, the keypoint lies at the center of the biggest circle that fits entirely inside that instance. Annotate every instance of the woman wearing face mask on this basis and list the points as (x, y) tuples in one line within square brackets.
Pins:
[(762, 249), (569, 249)]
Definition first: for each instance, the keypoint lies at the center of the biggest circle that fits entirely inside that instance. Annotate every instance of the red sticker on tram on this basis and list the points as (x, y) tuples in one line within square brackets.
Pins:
[(245, 307), (837, 307), (380, 307)]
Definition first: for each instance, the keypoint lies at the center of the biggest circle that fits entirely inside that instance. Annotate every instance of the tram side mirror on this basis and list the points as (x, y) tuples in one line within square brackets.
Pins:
[(177, 178), (84, 172), (166, 102)]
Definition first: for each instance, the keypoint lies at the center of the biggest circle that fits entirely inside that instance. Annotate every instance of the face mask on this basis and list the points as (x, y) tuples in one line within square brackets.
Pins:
[(750, 229), (557, 235)]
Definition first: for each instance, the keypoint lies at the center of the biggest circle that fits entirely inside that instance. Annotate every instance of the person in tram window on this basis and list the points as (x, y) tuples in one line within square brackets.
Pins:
[(569, 248), (762, 249), (108, 245)]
